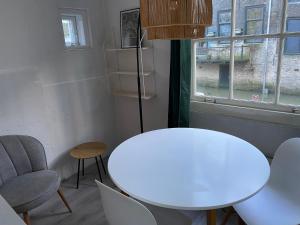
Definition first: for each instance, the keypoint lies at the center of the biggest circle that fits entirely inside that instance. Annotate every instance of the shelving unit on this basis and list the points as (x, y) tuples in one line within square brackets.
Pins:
[(133, 95), (130, 73), (126, 49), (121, 67)]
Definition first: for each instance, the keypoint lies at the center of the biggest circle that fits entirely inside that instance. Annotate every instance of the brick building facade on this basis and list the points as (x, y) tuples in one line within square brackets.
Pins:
[(256, 59)]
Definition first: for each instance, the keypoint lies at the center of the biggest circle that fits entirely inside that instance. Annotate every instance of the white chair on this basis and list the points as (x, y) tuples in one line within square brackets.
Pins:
[(122, 210), (278, 203)]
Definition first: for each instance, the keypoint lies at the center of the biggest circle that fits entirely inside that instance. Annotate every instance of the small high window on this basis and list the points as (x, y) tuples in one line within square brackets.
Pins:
[(75, 28)]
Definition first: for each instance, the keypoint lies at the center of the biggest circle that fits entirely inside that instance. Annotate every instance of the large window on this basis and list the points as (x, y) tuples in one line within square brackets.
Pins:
[(244, 71), (292, 44)]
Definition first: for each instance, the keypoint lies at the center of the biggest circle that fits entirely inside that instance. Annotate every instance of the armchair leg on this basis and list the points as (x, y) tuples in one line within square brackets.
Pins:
[(61, 195), (26, 218)]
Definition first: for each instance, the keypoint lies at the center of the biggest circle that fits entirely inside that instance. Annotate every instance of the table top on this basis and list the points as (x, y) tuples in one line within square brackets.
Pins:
[(8, 215), (88, 150), (189, 169)]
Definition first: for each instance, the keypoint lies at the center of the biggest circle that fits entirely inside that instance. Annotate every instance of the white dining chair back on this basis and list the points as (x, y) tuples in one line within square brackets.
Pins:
[(278, 203), (285, 169), (122, 210)]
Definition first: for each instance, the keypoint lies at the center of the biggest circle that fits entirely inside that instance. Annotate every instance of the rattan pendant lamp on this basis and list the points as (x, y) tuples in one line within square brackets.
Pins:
[(171, 20), (175, 19)]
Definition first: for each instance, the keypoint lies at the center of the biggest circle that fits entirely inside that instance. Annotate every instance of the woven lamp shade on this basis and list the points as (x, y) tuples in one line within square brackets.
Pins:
[(176, 19)]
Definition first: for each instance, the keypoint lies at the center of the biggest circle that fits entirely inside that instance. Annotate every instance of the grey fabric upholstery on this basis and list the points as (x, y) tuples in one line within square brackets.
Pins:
[(25, 181), (30, 190)]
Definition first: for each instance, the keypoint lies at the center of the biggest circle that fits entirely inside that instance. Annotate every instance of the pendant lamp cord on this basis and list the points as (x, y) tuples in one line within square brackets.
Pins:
[(138, 40)]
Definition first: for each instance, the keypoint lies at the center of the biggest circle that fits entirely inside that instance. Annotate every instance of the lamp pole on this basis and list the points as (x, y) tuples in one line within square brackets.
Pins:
[(138, 40)]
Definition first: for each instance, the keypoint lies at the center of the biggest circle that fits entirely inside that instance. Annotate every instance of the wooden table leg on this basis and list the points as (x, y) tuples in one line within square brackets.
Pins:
[(211, 216)]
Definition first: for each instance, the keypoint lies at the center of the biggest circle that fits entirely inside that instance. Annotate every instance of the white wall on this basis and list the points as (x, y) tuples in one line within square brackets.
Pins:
[(126, 109), (59, 96)]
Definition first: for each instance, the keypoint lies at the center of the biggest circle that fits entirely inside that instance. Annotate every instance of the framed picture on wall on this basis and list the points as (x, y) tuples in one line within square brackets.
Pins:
[(129, 25)]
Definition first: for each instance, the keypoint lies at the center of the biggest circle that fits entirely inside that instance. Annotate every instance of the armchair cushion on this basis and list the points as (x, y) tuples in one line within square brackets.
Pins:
[(30, 190)]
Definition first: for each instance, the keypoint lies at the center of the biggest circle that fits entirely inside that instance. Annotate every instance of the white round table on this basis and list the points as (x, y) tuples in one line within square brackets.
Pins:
[(188, 169)]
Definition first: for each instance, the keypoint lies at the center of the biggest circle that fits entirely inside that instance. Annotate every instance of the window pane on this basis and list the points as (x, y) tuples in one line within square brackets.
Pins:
[(255, 13), (224, 17), (212, 69), (293, 24), (225, 30), (69, 28), (255, 27), (290, 78), (255, 70)]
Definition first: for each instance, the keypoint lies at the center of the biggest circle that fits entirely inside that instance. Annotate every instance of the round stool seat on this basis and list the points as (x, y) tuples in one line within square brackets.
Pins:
[(88, 150)]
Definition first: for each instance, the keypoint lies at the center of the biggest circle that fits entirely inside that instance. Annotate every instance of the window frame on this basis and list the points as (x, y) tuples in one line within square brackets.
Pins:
[(85, 27), (260, 6), (285, 43), (275, 106)]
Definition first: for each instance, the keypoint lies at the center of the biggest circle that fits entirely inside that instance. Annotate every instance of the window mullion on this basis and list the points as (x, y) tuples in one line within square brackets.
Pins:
[(233, 23), (281, 41)]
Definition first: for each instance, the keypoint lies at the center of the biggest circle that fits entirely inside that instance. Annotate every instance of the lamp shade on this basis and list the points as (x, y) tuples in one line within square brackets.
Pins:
[(176, 19)]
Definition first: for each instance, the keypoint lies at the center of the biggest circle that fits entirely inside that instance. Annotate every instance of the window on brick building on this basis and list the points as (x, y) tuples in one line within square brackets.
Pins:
[(292, 44), (255, 20), (224, 19)]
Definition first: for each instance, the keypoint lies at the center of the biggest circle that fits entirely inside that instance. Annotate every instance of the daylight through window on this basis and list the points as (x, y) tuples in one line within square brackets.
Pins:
[(250, 55), (75, 28)]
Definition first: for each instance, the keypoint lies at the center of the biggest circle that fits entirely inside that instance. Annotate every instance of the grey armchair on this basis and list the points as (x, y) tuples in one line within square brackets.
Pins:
[(25, 181)]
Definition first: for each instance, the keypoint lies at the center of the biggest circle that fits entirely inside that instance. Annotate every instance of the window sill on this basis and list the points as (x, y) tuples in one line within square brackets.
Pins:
[(269, 116), (77, 48)]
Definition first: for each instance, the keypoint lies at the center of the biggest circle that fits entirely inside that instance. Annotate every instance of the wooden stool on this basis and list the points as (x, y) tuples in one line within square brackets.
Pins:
[(87, 151)]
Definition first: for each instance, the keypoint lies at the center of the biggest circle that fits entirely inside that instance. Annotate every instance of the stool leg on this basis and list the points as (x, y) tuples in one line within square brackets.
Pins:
[(78, 173), (82, 167), (103, 165), (98, 169)]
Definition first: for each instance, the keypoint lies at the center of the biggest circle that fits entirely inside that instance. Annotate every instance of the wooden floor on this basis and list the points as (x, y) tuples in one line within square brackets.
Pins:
[(86, 205)]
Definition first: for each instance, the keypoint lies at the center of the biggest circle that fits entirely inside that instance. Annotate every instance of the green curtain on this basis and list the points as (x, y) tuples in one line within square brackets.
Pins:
[(180, 84)]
